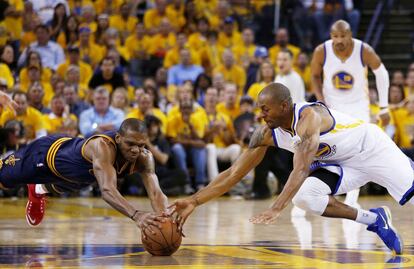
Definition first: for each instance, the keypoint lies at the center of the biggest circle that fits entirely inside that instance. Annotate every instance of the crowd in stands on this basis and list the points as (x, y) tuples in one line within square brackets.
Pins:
[(192, 70)]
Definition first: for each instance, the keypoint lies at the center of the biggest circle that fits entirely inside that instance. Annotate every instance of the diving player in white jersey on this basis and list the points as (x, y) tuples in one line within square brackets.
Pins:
[(333, 154), (342, 62)]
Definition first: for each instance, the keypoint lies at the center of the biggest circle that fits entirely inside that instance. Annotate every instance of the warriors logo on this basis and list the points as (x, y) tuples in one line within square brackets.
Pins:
[(325, 151), (343, 81)]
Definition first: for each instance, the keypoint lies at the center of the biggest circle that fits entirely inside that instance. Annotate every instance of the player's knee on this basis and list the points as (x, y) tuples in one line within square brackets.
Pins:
[(311, 203)]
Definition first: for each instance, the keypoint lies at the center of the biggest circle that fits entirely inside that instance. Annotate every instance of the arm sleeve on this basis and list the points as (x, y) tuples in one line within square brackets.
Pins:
[(383, 83)]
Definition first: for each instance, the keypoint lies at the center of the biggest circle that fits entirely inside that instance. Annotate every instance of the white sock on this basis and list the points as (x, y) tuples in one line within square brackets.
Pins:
[(366, 217), (40, 189)]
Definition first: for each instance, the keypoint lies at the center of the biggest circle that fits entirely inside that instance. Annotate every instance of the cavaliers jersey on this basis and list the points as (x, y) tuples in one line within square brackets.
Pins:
[(54, 159), (344, 81), (342, 141)]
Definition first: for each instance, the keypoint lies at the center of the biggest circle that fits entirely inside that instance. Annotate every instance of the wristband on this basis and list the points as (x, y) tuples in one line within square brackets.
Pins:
[(133, 215)]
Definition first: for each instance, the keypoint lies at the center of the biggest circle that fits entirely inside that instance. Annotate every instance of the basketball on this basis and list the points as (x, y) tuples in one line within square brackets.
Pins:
[(165, 241)]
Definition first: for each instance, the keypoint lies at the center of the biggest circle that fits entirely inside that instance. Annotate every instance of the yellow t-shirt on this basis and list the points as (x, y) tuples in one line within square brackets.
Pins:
[(45, 76), (242, 52), (54, 123), (137, 114), (235, 74), (6, 74), (85, 71), (218, 138), (92, 54), (196, 41), (32, 120), (135, 45), (15, 25), (229, 41), (176, 126), (205, 8), (404, 123), (152, 18), (273, 51), (161, 44), (306, 76), (173, 57), (255, 89), (128, 26), (231, 113)]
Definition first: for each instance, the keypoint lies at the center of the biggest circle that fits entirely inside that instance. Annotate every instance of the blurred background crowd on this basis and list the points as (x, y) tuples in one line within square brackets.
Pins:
[(191, 69)]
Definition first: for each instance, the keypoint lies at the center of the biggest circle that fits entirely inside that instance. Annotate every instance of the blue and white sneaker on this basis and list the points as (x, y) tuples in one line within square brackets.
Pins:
[(383, 227)]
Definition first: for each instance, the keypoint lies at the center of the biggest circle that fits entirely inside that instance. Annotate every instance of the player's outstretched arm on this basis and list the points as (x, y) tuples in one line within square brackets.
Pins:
[(103, 157), (316, 72), (249, 159), (308, 131), (146, 166)]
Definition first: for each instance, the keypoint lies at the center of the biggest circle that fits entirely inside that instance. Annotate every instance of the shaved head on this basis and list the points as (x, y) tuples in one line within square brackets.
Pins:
[(340, 26), (277, 92)]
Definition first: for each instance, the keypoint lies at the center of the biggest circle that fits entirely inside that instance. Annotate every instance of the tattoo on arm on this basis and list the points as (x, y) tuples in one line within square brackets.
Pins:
[(257, 137)]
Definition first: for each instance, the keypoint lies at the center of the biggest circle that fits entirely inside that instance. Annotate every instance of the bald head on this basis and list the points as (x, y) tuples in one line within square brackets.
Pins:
[(340, 26), (277, 92)]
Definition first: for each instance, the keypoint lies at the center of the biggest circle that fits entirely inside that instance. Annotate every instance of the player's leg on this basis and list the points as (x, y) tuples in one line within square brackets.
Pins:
[(315, 196)]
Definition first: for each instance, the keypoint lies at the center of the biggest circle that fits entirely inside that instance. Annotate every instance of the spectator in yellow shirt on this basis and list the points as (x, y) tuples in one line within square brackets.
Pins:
[(74, 59), (173, 55), (154, 16), (34, 78), (163, 41), (229, 36), (265, 76), (220, 136), (89, 52), (198, 39), (145, 107), (186, 131), (282, 42), (72, 78), (231, 72), (404, 121), (69, 35), (244, 52), (35, 96), (124, 22), (138, 47), (102, 26), (409, 83), (29, 116), (33, 58), (6, 74), (13, 19), (230, 106), (302, 67), (55, 120)]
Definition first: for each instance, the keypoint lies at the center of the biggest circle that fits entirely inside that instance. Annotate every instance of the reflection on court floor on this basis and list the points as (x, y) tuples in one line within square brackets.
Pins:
[(86, 233)]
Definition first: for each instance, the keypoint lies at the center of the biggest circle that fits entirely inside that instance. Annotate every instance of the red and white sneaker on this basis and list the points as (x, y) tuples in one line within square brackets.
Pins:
[(35, 207)]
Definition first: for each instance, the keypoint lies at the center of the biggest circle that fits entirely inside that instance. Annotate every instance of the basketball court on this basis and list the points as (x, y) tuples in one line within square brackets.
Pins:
[(87, 233)]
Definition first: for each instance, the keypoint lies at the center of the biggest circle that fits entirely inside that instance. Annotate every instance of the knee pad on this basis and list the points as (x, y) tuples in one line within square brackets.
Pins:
[(313, 196)]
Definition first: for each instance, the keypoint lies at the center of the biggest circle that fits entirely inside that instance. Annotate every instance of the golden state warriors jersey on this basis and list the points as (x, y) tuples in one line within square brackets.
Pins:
[(344, 81), (342, 141)]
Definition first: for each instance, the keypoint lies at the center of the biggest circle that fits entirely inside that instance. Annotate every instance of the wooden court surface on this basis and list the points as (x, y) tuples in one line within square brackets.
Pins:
[(87, 233)]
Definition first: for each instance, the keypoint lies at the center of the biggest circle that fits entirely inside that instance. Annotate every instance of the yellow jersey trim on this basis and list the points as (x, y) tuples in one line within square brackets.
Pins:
[(92, 137), (51, 155), (340, 127)]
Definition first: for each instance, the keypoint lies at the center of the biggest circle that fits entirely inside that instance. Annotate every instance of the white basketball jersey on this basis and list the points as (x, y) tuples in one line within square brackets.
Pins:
[(344, 82), (342, 141)]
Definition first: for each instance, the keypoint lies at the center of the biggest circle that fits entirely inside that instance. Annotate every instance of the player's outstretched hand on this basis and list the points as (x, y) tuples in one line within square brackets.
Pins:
[(146, 220), (268, 216), (182, 209), (7, 102)]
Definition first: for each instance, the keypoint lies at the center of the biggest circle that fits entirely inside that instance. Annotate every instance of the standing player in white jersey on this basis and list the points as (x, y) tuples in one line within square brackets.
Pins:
[(342, 62), (333, 154)]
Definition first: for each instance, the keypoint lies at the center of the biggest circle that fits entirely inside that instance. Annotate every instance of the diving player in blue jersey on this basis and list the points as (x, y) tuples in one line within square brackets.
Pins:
[(60, 164)]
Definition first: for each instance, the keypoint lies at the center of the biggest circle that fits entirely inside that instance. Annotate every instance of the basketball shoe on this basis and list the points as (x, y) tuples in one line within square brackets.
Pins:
[(383, 227), (35, 207)]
